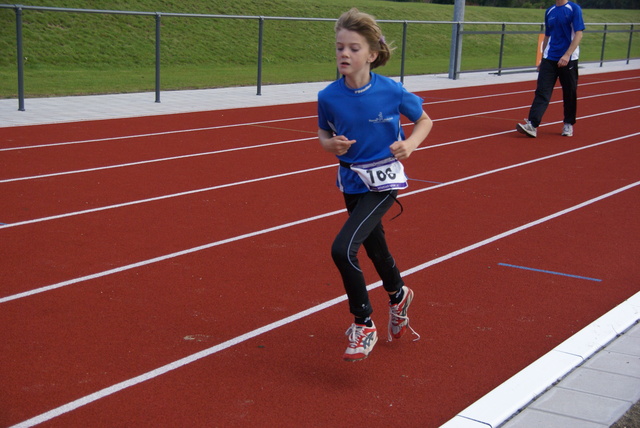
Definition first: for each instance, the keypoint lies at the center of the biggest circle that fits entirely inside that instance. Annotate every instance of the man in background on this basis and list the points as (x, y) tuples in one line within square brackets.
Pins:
[(563, 32)]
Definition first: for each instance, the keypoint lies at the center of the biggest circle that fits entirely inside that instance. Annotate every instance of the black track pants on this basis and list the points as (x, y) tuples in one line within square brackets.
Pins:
[(364, 227), (547, 77)]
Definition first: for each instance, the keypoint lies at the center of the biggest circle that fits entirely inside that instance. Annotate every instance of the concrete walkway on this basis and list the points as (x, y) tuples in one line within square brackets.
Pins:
[(97, 107)]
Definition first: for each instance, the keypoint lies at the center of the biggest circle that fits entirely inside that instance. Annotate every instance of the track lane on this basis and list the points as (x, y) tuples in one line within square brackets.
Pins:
[(487, 315), (60, 134), (163, 140), (94, 189), (46, 192), (109, 332), (329, 335), (92, 154), (126, 235)]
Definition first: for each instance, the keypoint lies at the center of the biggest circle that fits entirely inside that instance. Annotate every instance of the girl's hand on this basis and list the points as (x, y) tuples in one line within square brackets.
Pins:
[(401, 149), (338, 145)]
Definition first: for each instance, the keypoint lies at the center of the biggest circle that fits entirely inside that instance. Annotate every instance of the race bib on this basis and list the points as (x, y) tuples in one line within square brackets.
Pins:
[(383, 175)]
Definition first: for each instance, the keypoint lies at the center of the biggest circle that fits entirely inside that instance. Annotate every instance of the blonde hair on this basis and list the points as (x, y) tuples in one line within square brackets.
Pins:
[(365, 25)]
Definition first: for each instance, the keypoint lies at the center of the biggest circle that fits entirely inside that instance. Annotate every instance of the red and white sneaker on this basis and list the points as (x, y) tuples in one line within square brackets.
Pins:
[(398, 319), (361, 342)]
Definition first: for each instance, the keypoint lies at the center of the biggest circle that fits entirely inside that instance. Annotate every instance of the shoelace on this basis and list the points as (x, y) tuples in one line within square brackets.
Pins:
[(394, 315), (354, 332)]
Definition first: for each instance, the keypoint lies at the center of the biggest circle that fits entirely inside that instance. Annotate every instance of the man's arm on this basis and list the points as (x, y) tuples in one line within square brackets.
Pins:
[(562, 62)]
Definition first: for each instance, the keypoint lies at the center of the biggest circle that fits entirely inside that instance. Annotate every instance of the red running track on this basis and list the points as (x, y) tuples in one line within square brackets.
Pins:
[(175, 271)]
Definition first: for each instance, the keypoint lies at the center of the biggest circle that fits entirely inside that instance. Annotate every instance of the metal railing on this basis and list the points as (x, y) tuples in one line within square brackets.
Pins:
[(503, 32), (455, 54)]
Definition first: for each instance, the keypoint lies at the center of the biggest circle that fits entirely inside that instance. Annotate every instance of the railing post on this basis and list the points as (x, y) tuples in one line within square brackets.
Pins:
[(456, 39), (454, 60), (504, 26), (629, 47), (404, 49), (604, 39), (20, 58), (157, 57), (260, 36)]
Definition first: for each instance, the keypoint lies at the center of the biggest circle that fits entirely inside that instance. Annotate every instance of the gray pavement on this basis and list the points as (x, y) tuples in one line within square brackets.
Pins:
[(96, 107), (595, 394), (590, 380)]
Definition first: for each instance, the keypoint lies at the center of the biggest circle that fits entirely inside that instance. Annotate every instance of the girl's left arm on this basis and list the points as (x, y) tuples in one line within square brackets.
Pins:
[(421, 129)]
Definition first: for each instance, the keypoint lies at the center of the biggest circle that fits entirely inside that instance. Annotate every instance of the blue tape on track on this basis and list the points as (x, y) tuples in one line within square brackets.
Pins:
[(551, 272)]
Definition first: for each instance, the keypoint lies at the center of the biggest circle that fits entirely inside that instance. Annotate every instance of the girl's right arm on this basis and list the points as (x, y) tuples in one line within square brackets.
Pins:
[(336, 144)]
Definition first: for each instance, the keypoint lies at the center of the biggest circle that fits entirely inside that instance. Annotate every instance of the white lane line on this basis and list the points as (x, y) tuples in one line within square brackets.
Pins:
[(206, 189), (73, 405), (192, 155), (155, 134), (283, 226), (482, 113), (235, 125), (165, 257), (528, 91), (479, 137), (159, 198), (516, 165), (171, 158)]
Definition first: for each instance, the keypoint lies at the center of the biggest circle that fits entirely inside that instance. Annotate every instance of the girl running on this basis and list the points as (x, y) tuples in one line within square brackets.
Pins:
[(359, 122)]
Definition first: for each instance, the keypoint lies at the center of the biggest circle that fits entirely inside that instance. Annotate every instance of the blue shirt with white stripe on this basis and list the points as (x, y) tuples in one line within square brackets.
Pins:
[(561, 24)]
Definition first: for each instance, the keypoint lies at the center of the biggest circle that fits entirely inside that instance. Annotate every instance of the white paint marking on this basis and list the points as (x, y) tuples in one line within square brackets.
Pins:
[(283, 226), (288, 320)]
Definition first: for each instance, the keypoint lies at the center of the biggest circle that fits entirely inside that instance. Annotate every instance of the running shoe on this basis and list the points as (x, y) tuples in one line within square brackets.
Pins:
[(361, 342), (398, 319), (567, 130), (527, 129)]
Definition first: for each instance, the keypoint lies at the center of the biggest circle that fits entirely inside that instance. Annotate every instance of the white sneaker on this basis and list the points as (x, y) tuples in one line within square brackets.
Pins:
[(527, 129), (398, 319), (567, 130), (361, 341)]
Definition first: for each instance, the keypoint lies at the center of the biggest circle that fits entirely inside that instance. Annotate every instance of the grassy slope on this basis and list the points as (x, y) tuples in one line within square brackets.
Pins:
[(86, 53)]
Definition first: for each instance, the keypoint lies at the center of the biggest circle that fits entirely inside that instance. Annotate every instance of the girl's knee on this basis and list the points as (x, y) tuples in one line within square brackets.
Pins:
[(339, 253)]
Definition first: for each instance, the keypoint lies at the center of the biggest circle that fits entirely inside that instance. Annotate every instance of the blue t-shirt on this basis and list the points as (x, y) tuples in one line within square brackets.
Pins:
[(371, 116), (561, 24)]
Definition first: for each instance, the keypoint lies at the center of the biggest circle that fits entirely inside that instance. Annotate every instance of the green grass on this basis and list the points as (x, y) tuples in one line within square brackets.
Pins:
[(80, 53)]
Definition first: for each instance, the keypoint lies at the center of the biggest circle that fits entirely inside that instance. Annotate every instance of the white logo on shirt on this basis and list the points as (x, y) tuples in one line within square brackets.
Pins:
[(381, 119)]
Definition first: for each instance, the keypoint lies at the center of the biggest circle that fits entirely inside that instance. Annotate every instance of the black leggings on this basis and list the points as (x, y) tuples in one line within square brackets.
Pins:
[(364, 227)]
